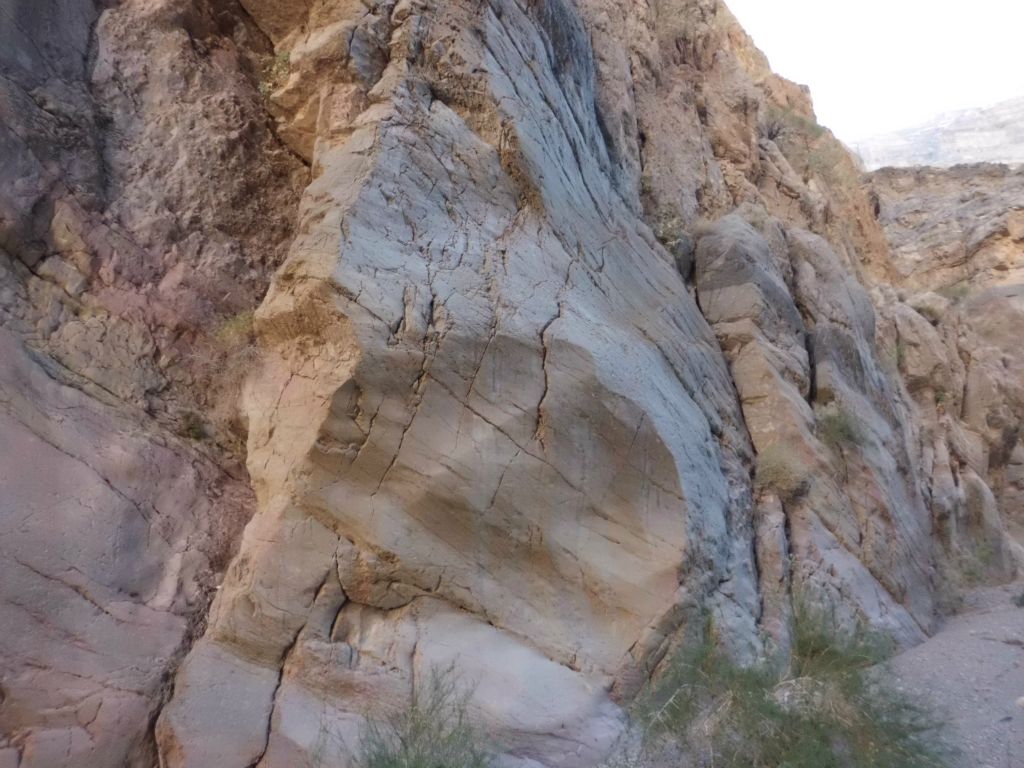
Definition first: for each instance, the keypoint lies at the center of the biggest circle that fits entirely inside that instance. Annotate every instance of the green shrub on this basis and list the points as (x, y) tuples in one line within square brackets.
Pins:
[(977, 562), (838, 428), (949, 598), (830, 162), (828, 711), (780, 123), (667, 229), (434, 731), (275, 72), (192, 426)]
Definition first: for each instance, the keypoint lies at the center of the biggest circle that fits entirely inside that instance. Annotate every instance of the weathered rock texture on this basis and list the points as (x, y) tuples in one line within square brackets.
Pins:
[(492, 425), (134, 158), (984, 135), (956, 230), (958, 261), (573, 350)]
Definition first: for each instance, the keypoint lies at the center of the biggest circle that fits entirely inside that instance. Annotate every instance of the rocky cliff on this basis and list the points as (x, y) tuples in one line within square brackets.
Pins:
[(957, 238), (983, 135), (522, 337)]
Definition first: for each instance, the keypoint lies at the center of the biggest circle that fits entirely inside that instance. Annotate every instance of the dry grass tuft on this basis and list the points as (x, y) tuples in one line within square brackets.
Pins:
[(781, 470), (838, 428), (433, 732)]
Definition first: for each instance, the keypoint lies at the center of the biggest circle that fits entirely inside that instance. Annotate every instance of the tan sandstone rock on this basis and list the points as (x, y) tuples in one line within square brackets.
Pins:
[(575, 334)]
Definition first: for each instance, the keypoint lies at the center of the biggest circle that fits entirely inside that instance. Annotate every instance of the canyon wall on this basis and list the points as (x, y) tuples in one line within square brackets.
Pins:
[(992, 134), (526, 337), (134, 158), (957, 237)]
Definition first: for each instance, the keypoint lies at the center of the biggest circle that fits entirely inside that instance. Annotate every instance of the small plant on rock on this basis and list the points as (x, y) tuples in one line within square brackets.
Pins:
[(828, 710), (434, 731), (782, 471), (236, 330), (977, 562), (192, 426), (838, 428), (956, 292), (780, 123), (275, 71)]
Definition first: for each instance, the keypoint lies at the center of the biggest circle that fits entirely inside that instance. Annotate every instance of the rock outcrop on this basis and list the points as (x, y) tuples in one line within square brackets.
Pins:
[(983, 135), (575, 333), (956, 230), (957, 239), (522, 450), (135, 157)]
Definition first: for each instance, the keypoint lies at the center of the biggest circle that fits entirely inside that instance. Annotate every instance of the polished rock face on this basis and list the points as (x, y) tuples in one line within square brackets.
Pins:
[(532, 324)]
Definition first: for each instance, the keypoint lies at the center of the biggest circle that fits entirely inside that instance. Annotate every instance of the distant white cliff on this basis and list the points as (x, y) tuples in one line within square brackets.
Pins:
[(986, 135)]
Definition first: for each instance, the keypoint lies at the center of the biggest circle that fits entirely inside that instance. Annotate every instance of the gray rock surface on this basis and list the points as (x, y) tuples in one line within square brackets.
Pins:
[(529, 421), (954, 230), (800, 363), (547, 333), (108, 538)]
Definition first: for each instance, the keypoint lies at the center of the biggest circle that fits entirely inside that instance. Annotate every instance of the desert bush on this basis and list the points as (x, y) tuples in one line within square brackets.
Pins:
[(839, 428), (275, 71), (783, 122), (434, 731), (235, 331), (949, 597), (976, 562), (236, 350), (782, 471), (826, 711), (667, 229), (221, 358), (808, 147), (830, 162)]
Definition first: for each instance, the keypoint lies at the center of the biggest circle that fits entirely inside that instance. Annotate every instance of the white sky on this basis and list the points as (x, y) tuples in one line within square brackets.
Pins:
[(881, 65)]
